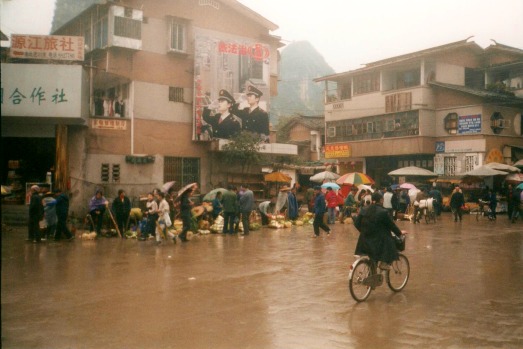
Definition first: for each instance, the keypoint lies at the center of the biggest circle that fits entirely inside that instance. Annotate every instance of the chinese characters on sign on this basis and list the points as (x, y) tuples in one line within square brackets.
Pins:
[(59, 47), (104, 124), (469, 124), (37, 96), (337, 151), (258, 52)]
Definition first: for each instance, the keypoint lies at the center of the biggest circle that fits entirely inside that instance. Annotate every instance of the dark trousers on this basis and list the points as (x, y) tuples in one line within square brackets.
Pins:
[(318, 223), (458, 213), (245, 222), (98, 219), (50, 231), (121, 221), (61, 227), (264, 218), (186, 219), (150, 227), (228, 222), (33, 229)]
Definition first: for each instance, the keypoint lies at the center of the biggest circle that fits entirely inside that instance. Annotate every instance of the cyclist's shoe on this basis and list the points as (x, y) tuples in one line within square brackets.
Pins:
[(384, 266)]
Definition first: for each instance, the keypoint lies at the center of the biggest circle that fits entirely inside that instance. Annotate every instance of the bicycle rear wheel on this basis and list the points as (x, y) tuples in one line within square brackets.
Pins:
[(360, 271), (398, 275)]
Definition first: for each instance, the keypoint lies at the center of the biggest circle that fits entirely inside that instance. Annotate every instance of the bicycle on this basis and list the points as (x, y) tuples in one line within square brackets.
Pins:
[(365, 276), (484, 210)]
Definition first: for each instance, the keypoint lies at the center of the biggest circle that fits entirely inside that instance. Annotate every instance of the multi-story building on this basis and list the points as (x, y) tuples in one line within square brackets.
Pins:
[(448, 109), (149, 70)]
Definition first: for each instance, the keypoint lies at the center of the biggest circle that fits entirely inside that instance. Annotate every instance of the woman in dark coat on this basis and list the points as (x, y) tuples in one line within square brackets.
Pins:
[(375, 226)]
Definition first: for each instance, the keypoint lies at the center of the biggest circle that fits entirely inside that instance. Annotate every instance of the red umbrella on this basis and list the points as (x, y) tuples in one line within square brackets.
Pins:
[(354, 178)]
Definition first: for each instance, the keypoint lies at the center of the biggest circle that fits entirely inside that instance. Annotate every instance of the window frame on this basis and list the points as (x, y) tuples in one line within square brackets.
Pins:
[(177, 24)]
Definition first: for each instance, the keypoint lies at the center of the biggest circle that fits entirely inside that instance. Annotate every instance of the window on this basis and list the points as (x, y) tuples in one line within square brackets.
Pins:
[(345, 90), (116, 172), (127, 27), (451, 123), (469, 162), (331, 132), (450, 166), (101, 31), (497, 122), (181, 170), (367, 83), (104, 173), (175, 94), (178, 35)]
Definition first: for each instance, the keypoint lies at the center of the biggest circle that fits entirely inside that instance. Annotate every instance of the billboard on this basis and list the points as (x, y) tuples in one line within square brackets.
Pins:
[(231, 86)]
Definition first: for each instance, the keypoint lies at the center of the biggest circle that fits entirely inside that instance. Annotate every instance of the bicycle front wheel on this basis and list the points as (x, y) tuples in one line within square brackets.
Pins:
[(398, 275), (361, 270)]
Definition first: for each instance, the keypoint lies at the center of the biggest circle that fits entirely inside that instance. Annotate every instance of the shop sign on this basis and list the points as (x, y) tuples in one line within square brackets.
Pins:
[(57, 47), (469, 124), (465, 146), (43, 90), (109, 124), (333, 151)]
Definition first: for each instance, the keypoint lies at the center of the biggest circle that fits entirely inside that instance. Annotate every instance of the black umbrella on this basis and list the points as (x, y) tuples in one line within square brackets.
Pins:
[(184, 189)]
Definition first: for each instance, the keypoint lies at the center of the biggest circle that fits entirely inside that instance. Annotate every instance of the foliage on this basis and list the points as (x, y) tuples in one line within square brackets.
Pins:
[(243, 149)]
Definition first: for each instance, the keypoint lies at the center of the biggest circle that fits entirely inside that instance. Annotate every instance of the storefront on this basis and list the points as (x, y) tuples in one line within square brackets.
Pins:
[(39, 103)]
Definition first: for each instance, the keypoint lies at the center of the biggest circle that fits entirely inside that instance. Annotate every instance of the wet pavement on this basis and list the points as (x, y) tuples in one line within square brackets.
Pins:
[(272, 289)]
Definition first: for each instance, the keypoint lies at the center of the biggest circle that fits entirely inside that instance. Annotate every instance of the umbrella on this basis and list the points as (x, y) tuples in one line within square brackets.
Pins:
[(502, 167), (412, 171), (184, 189), (324, 176), (279, 177), (514, 178), (407, 186), (394, 186), (520, 186), (484, 171), (519, 163), (212, 194), (334, 186), (166, 186), (354, 178), (366, 187)]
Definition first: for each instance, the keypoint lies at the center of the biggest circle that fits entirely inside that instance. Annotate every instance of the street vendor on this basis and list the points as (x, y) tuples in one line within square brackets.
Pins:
[(97, 206)]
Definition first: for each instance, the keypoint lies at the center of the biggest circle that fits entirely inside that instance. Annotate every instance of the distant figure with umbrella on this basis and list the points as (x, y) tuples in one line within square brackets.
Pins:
[(185, 208)]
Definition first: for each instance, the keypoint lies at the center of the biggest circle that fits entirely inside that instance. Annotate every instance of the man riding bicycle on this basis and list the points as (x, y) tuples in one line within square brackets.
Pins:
[(375, 226)]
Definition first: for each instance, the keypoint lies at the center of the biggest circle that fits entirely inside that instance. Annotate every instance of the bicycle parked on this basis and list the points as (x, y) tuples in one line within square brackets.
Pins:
[(427, 210), (483, 210), (365, 275)]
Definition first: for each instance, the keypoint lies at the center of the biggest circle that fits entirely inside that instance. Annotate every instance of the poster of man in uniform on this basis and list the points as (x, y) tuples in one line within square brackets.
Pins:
[(231, 82)]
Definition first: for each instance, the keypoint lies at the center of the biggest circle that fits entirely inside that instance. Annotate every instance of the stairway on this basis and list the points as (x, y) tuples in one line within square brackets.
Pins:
[(15, 215)]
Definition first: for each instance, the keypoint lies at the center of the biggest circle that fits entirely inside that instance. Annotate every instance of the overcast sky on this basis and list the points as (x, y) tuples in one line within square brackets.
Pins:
[(351, 33), (347, 33)]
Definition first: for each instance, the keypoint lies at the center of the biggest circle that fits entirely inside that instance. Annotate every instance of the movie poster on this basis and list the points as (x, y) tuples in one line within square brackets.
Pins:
[(231, 82)]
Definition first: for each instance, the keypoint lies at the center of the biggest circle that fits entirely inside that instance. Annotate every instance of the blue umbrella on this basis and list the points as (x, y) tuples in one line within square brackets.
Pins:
[(520, 186), (334, 186)]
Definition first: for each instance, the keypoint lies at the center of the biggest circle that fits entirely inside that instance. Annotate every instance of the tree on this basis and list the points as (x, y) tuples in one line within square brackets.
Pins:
[(243, 149)]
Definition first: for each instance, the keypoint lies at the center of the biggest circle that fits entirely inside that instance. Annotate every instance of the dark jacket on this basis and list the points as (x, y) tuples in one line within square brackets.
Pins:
[(62, 206), (122, 208), (320, 207), (226, 129), (457, 200), (229, 202), (36, 208), (256, 121), (375, 240)]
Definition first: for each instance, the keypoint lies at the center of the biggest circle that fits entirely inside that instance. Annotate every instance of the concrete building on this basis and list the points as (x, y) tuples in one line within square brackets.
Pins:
[(448, 109), (149, 70)]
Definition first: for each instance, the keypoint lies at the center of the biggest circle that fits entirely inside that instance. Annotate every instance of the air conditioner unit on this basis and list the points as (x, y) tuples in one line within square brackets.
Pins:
[(125, 27)]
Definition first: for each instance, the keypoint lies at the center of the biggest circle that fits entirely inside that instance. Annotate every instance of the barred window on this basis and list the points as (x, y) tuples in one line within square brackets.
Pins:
[(177, 35), (127, 27), (450, 165), (181, 170)]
